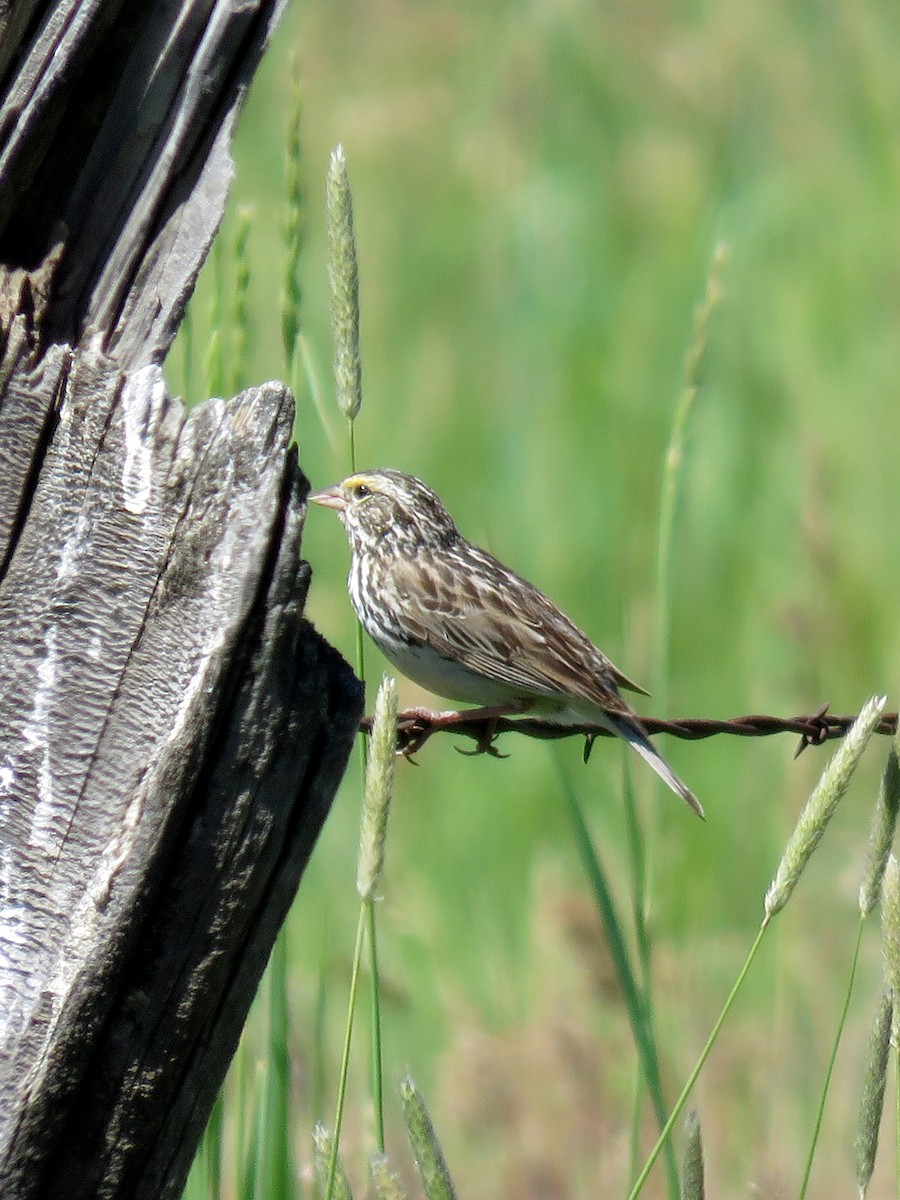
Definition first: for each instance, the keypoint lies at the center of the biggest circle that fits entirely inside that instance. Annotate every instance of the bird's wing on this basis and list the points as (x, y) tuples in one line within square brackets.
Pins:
[(471, 609)]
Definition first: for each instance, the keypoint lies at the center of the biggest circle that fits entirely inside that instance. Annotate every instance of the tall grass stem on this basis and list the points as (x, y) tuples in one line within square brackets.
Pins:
[(663, 1138), (820, 1111), (375, 1042), (276, 1150), (379, 785), (214, 362), (292, 231), (240, 312), (641, 1026), (694, 363), (212, 1146), (186, 337), (330, 1193)]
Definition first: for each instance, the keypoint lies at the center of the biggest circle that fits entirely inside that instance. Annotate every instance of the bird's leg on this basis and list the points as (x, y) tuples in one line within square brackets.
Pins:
[(423, 722), (487, 737), (429, 716), (490, 715), (414, 727)]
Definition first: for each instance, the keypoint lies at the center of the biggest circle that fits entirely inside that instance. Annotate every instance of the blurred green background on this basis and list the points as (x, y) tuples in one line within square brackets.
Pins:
[(539, 191)]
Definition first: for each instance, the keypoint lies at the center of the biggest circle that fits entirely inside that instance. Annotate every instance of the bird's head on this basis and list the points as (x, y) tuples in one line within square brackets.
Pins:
[(389, 509)]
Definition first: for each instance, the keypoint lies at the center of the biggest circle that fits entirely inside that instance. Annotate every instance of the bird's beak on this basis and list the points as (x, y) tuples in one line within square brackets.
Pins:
[(331, 497)]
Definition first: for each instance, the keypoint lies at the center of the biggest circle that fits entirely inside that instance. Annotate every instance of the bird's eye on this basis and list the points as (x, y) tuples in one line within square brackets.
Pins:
[(360, 491)]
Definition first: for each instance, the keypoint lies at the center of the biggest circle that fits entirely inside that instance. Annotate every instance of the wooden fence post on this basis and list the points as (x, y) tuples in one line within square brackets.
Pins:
[(172, 731)]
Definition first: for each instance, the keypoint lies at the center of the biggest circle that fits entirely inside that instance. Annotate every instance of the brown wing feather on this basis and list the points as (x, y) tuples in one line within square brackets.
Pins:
[(495, 623)]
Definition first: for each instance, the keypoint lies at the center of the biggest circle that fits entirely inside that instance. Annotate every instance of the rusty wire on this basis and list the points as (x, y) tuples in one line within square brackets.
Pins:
[(415, 726)]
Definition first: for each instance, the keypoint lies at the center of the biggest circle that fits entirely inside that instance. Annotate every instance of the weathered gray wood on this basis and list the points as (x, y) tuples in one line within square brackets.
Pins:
[(171, 729)]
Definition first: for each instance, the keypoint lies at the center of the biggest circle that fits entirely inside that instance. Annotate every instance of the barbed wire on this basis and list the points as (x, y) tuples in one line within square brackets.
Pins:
[(415, 726)]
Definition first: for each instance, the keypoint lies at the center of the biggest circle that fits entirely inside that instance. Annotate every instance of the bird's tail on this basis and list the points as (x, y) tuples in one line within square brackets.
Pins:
[(632, 732)]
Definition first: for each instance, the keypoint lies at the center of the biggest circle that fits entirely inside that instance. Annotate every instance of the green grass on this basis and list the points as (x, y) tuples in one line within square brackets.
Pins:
[(538, 193)]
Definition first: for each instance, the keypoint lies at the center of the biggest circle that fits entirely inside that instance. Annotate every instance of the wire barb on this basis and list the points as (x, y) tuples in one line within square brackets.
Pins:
[(818, 731)]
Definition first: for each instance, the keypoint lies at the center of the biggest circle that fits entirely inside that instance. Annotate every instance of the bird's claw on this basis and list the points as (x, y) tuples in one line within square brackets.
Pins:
[(484, 745), (485, 742), (416, 725), (414, 728), (411, 741)]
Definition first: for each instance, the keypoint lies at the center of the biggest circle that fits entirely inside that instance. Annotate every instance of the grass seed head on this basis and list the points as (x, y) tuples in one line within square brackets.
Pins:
[(821, 806)]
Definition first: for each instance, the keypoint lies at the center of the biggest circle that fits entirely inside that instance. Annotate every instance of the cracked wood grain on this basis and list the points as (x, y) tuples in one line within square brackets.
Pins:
[(172, 730)]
